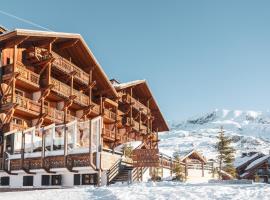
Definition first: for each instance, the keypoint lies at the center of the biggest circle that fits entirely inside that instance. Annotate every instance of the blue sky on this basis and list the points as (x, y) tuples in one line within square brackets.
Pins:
[(196, 55)]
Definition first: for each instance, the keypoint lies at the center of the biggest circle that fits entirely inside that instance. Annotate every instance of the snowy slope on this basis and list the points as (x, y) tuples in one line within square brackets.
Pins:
[(249, 130)]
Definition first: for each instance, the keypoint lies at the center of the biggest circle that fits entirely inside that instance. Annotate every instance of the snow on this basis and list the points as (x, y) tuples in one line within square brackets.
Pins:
[(133, 145), (150, 190), (249, 131), (128, 84), (242, 160), (256, 162)]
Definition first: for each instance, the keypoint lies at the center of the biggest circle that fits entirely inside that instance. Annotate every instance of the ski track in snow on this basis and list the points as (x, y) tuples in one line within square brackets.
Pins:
[(150, 191)]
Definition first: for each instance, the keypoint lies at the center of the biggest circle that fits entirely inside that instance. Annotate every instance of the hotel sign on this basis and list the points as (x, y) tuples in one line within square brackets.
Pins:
[(145, 158)]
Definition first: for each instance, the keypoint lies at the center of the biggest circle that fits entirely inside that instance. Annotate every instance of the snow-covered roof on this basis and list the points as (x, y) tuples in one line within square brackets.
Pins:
[(184, 154), (243, 160), (226, 174), (133, 145), (120, 86), (257, 162)]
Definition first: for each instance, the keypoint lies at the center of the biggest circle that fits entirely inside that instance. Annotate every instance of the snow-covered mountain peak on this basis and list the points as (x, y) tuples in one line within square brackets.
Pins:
[(250, 131)]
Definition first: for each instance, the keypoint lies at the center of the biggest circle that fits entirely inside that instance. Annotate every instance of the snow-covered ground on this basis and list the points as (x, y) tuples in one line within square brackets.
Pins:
[(249, 130), (162, 190)]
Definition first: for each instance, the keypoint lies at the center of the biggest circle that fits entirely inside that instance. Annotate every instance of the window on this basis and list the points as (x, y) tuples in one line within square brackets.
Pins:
[(77, 179), (28, 180), (89, 179), (56, 179), (8, 61), (4, 181), (45, 180), (19, 92)]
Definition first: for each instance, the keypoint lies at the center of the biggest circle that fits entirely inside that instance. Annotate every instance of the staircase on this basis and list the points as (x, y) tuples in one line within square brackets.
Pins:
[(123, 171), (123, 175)]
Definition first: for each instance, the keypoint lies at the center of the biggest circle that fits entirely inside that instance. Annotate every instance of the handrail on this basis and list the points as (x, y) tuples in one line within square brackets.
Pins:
[(27, 104), (68, 67), (26, 74), (65, 90), (114, 171)]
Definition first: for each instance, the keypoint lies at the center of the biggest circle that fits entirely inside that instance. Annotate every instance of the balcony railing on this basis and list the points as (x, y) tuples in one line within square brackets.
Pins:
[(27, 104), (66, 66), (25, 74), (136, 104), (109, 114), (65, 91)]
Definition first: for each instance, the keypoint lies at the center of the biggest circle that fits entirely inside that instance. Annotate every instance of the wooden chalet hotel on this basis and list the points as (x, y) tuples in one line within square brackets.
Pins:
[(61, 117)]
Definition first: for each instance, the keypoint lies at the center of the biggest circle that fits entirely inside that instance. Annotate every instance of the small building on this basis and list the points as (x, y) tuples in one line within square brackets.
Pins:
[(197, 168), (255, 168)]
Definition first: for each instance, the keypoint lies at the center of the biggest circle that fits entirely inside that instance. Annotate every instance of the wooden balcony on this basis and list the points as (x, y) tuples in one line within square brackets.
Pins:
[(67, 67), (126, 98), (27, 75), (27, 106), (26, 78), (109, 135), (64, 90), (109, 115)]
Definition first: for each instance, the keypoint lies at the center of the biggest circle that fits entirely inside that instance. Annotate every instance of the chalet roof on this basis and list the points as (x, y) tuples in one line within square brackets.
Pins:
[(239, 162), (2, 29), (186, 154), (77, 50), (142, 91), (257, 162), (250, 168)]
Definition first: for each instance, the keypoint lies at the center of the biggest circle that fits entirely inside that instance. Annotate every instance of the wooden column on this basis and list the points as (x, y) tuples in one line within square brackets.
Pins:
[(15, 54), (90, 84), (202, 169)]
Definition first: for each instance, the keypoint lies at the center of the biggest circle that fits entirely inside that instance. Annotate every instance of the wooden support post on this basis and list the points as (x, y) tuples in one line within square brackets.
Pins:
[(15, 54), (22, 150), (131, 107), (186, 169), (4, 151), (202, 169), (90, 88), (65, 134)]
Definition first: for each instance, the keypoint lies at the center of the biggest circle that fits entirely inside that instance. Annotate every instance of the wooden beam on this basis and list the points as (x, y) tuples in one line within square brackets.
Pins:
[(44, 43), (65, 45), (14, 42)]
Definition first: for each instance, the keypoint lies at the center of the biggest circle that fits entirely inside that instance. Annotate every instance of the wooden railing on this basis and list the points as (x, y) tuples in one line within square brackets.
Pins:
[(109, 114), (136, 104), (53, 113), (27, 104), (66, 66), (65, 91), (24, 73)]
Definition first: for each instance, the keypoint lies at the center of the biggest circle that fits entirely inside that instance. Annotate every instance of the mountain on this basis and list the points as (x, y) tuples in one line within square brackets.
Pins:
[(249, 130)]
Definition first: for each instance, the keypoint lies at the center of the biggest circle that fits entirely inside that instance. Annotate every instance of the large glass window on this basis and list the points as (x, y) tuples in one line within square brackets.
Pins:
[(89, 179), (56, 179), (4, 181), (45, 180), (28, 181), (77, 179)]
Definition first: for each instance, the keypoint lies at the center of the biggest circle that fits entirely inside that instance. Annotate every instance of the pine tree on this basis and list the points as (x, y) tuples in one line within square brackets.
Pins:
[(178, 169), (225, 153)]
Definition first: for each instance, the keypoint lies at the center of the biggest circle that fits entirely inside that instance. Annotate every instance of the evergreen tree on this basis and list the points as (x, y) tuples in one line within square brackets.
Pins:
[(178, 169), (225, 153)]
